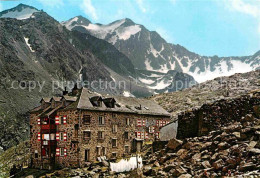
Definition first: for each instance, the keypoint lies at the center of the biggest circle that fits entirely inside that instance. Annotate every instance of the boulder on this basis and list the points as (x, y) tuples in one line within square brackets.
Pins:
[(206, 164), (218, 164), (174, 143), (247, 167)]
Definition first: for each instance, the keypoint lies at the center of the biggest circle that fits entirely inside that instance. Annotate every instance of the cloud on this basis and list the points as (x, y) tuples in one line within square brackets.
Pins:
[(251, 8), (140, 4), (52, 3), (89, 9), (245, 7)]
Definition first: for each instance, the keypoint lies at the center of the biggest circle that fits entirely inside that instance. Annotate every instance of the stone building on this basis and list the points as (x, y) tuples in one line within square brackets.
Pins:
[(83, 126)]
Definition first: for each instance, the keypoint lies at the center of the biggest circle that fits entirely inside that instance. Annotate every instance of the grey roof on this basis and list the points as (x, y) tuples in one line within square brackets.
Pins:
[(69, 98), (46, 100), (123, 104), (56, 98)]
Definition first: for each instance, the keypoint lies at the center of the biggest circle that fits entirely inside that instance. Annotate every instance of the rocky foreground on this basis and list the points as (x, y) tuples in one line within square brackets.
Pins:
[(229, 151)]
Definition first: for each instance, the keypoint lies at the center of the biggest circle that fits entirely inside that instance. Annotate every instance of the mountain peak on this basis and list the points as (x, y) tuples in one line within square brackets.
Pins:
[(21, 5), (76, 21), (20, 12)]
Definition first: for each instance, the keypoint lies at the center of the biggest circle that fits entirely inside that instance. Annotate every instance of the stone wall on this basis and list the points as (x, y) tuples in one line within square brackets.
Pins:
[(35, 144), (220, 113)]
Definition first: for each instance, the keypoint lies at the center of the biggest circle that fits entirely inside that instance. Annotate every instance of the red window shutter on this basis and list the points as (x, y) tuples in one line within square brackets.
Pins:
[(139, 122), (144, 122), (146, 135), (39, 136), (39, 121), (65, 136), (65, 120), (57, 151), (43, 152), (138, 134), (65, 152), (57, 136), (57, 120), (157, 135)]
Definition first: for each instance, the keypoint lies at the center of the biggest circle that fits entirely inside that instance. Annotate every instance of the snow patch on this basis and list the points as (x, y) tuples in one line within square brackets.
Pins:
[(146, 81), (127, 94), (29, 45), (23, 14), (101, 31), (221, 70), (68, 24), (160, 84), (148, 64), (127, 32), (127, 164)]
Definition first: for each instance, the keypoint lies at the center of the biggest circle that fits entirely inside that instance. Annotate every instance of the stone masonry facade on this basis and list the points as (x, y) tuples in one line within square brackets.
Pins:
[(73, 137)]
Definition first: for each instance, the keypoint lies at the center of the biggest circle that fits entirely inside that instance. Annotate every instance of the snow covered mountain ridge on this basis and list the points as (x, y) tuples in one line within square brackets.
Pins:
[(149, 51), (19, 12)]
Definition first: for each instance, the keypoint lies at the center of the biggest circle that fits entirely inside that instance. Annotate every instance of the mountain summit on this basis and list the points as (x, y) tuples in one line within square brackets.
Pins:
[(19, 12)]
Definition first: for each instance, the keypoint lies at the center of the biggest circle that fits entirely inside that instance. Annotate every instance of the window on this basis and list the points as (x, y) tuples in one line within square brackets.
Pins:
[(86, 119), (127, 121), (36, 155), (61, 120), (86, 135), (61, 151), (86, 155), (45, 142), (157, 135), (99, 103), (113, 115), (139, 122), (45, 121), (114, 142), (104, 151), (127, 149), (61, 136), (98, 150), (45, 136), (101, 135), (151, 129), (114, 155), (114, 129), (76, 128), (52, 136), (126, 135), (101, 120)]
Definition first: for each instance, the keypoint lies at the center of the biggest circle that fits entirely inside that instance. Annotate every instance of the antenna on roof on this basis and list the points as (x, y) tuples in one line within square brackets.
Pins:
[(65, 92)]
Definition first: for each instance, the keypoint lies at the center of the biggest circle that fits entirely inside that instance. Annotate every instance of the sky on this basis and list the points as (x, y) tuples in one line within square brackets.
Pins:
[(206, 27)]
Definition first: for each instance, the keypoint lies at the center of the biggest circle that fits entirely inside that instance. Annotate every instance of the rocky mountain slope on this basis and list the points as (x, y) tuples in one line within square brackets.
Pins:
[(207, 92), (149, 51)]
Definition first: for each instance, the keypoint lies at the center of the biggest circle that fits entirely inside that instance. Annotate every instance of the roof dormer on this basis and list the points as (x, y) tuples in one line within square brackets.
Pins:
[(96, 101), (109, 102)]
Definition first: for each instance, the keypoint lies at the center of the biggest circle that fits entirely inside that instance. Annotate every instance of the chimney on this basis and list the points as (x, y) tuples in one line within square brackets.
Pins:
[(65, 92)]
